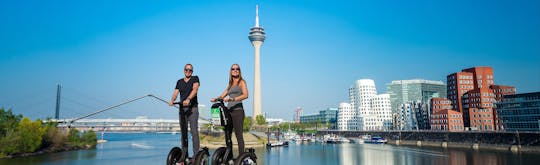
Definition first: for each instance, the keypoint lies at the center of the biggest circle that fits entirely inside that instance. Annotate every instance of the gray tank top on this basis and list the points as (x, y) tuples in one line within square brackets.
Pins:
[(235, 91)]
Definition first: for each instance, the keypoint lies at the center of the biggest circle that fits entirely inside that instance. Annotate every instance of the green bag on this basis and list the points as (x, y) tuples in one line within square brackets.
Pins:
[(215, 114)]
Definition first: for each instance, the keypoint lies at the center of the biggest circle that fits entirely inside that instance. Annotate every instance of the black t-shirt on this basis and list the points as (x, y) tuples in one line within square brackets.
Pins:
[(186, 88)]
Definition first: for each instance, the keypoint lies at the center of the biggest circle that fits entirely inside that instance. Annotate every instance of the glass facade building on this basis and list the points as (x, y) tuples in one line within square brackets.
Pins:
[(520, 112), (417, 90), (328, 116)]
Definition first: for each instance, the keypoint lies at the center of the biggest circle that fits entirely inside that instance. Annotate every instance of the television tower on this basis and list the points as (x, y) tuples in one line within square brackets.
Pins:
[(257, 36)]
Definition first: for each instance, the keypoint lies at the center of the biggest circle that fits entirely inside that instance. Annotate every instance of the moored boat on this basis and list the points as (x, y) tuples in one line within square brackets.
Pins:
[(375, 140)]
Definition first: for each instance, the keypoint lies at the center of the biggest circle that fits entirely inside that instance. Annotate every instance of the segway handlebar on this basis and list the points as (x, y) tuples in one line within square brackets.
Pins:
[(220, 100), (180, 105)]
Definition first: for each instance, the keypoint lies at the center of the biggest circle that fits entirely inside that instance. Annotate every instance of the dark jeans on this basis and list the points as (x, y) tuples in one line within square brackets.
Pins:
[(193, 121), (238, 116)]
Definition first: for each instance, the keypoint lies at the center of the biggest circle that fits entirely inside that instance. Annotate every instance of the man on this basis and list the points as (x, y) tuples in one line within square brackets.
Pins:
[(188, 87)]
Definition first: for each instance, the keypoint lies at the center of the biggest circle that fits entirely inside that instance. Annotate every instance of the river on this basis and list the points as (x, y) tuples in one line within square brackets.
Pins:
[(152, 148)]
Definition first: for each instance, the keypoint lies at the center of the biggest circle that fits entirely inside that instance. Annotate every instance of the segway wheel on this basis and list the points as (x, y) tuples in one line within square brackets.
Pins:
[(202, 158), (175, 156), (217, 157), (246, 158)]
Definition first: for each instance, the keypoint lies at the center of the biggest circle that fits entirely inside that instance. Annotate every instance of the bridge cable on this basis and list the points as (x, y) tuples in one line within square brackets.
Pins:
[(126, 102)]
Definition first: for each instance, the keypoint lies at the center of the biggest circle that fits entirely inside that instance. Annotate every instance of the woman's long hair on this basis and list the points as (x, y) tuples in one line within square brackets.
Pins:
[(231, 77)]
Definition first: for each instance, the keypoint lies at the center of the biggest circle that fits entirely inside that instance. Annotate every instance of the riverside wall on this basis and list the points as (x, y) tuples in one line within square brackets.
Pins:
[(513, 141)]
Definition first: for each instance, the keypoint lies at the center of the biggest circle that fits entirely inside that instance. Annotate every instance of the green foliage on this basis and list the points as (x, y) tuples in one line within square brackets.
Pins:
[(248, 122), (89, 138), (21, 135), (8, 143), (26, 137), (260, 120), (30, 134), (76, 139), (8, 121), (299, 127)]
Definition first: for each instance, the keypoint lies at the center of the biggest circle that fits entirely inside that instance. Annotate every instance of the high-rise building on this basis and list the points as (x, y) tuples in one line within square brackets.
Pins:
[(408, 91), (520, 112), (369, 110), (347, 117), (417, 90), (380, 114), (473, 93), (257, 37)]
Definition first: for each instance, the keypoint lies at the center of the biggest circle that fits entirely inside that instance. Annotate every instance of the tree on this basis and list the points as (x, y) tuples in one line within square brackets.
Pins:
[(260, 120), (89, 138), (8, 121), (248, 122), (74, 137), (52, 137), (30, 134), (8, 144)]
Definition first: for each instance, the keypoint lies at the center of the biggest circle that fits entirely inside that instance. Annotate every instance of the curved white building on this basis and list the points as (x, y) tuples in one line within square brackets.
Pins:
[(370, 111), (347, 117), (381, 111)]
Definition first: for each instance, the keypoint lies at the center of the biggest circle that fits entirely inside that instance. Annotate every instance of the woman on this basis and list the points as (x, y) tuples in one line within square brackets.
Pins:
[(236, 92)]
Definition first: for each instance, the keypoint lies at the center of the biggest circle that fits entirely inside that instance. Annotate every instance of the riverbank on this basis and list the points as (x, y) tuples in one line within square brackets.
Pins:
[(475, 140), (472, 146), (21, 137), (50, 150)]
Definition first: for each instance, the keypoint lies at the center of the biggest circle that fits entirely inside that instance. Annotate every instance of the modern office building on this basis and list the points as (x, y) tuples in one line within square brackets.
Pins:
[(367, 109), (347, 117), (417, 90), (500, 91), (381, 113), (328, 116), (520, 112), (413, 116), (472, 92), (448, 120), (443, 117)]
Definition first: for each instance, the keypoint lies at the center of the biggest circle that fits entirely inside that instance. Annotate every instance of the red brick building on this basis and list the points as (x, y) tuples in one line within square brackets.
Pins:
[(443, 117), (473, 93), (438, 104), (446, 119)]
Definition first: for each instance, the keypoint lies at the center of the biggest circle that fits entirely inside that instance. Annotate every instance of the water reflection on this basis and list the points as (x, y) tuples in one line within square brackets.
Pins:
[(120, 150)]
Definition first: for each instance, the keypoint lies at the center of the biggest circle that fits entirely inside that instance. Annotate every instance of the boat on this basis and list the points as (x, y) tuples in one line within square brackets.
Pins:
[(374, 140), (356, 140), (290, 136), (335, 139), (277, 144)]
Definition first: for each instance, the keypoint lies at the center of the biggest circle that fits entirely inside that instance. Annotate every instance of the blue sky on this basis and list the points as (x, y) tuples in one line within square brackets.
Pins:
[(106, 52)]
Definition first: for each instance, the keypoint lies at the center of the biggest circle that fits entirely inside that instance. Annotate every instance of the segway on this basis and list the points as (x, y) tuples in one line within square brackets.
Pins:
[(180, 156), (224, 155)]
